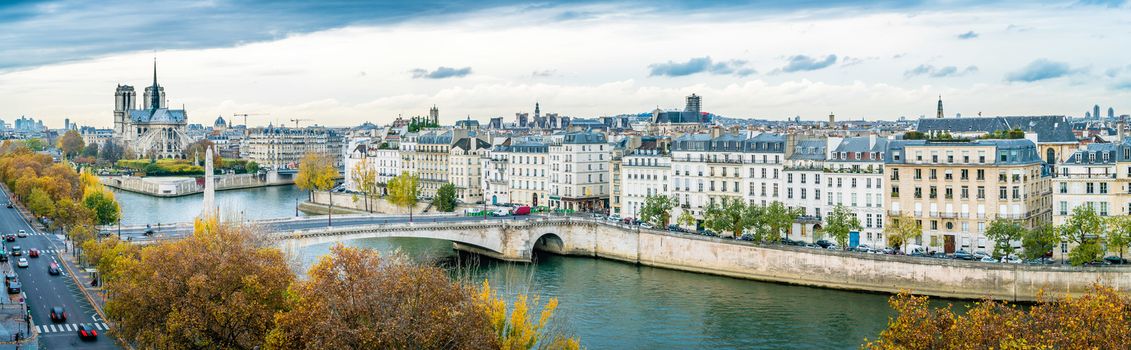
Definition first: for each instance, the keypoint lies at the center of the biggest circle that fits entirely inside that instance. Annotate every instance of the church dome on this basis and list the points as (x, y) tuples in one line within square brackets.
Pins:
[(220, 123)]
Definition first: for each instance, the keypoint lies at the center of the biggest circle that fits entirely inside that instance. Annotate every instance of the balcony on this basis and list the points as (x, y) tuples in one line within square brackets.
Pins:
[(895, 212), (934, 214), (947, 215)]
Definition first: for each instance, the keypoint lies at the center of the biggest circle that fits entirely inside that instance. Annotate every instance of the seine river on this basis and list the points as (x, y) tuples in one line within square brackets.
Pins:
[(608, 304)]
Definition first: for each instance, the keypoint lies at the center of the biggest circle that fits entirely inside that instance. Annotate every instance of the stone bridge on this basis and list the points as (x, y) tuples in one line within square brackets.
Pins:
[(504, 240)]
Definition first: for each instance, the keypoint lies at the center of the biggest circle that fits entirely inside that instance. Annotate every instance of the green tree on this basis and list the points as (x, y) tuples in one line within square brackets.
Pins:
[(657, 210), (404, 191), (251, 167), (1084, 228), (779, 218), (1004, 232), (90, 150), (1119, 234), (110, 152), (839, 223), (103, 205), (753, 221), (686, 219), (35, 144), (1039, 241), (71, 144), (725, 216), (446, 198), (901, 230), (40, 203), (316, 172)]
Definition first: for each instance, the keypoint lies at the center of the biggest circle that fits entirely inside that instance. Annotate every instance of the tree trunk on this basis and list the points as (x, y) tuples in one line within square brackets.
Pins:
[(330, 211)]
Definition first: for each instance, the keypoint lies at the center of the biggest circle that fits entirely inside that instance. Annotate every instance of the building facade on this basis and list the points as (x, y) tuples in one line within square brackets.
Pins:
[(579, 174)]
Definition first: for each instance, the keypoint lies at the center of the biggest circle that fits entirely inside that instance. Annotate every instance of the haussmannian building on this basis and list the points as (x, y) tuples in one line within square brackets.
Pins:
[(955, 189)]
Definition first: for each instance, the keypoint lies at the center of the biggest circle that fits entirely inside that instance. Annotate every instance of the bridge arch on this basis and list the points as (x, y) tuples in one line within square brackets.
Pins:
[(549, 242)]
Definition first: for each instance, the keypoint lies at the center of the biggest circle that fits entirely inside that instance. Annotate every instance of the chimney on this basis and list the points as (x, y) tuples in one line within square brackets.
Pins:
[(716, 131)]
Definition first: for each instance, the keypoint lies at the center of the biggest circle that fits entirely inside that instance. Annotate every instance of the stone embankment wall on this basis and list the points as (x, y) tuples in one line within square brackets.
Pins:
[(172, 187), (840, 270), (377, 205)]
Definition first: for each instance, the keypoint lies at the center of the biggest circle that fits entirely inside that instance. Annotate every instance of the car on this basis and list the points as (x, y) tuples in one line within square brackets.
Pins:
[(889, 251), (148, 232), (647, 225), (1115, 260), (87, 332), (22, 262), (53, 269), (500, 212), (4, 256), (824, 243), (16, 251), (10, 205), (746, 237), (58, 314), (522, 210), (14, 287), (963, 255), (33, 252), (614, 218), (21, 233), (988, 259), (10, 238), (833, 247), (1097, 263), (1012, 259), (10, 276), (1039, 261), (709, 233), (674, 228)]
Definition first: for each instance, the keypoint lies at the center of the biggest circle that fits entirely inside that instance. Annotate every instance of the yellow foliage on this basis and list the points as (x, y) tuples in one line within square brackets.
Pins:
[(519, 331), (316, 171)]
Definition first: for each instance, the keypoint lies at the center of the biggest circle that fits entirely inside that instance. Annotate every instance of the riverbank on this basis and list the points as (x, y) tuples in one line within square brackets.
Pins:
[(184, 186)]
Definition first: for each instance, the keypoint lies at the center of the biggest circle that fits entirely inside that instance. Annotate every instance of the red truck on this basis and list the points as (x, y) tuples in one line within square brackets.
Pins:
[(523, 210)]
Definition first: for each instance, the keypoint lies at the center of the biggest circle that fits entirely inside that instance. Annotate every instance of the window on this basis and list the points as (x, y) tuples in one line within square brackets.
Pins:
[(981, 192), (934, 224), (1103, 187), (981, 174), (1090, 188), (1063, 187), (1003, 193), (918, 174), (918, 192), (1063, 208), (964, 174), (964, 192)]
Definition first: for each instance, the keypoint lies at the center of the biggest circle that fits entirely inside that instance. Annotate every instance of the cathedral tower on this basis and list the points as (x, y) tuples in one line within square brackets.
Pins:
[(940, 113), (124, 98)]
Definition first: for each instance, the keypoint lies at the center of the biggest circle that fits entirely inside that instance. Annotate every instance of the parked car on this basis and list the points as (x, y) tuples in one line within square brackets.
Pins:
[(4, 256), (21, 233), (863, 248), (33, 252), (747, 238), (22, 262), (1039, 261), (1115, 260), (523, 210), (963, 255), (87, 332), (833, 247), (9, 277), (53, 269), (148, 232), (9, 205), (824, 243), (614, 218), (889, 251), (1012, 259), (647, 225), (1097, 263), (709, 233), (58, 314), (675, 228), (987, 259), (14, 287), (500, 212)]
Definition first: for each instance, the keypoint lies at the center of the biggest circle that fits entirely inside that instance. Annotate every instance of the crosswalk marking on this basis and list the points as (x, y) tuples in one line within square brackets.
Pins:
[(70, 327)]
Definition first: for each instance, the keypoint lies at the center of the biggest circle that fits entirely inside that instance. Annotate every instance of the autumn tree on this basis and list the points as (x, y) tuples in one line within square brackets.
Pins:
[(520, 330), (364, 177), (90, 150), (901, 230), (1099, 319), (404, 191), (219, 288), (316, 172), (110, 152), (1004, 232), (199, 149), (839, 223), (657, 209), (410, 307), (686, 219), (109, 255), (71, 143), (103, 205), (40, 203), (446, 198), (1084, 228)]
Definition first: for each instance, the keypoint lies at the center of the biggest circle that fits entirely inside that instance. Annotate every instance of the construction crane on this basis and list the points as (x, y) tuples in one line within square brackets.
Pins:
[(245, 115), (299, 120)]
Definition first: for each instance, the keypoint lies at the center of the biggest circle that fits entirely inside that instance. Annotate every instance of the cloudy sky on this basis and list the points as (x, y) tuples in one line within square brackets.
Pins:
[(343, 62)]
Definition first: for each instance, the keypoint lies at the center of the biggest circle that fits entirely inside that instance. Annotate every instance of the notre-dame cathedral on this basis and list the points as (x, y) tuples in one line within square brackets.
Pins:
[(154, 130)]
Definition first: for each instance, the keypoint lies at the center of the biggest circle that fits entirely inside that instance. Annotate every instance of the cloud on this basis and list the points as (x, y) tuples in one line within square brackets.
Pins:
[(1017, 28), (440, 73), (968, 35), (544, 73), (1104, 3), (939, 72), (700, 65), (799, 63), (1039, 69), (852, 61)]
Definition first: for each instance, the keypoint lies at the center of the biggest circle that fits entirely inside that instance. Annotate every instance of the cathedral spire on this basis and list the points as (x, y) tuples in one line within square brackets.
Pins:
[(155, 96), (940, 113)]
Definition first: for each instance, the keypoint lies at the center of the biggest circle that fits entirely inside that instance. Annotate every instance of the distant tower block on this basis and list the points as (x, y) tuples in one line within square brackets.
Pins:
[(694, 104), (940, 113), (209, 186), (832, 119)]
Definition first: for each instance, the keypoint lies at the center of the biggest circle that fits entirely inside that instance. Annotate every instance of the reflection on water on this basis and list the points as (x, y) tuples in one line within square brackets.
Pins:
[(255, 203), (613, 305)]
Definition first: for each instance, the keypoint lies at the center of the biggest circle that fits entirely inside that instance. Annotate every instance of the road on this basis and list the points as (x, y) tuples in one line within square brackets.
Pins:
[(45, 291), (311, 222)]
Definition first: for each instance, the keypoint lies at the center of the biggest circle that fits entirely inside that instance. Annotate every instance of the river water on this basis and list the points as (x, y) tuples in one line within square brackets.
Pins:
[(608, 304)]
